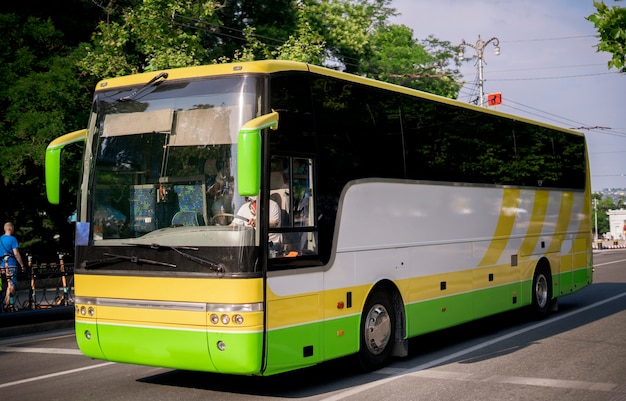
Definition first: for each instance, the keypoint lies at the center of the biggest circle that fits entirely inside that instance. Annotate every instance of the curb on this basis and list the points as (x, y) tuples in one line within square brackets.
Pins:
[(35, 321)]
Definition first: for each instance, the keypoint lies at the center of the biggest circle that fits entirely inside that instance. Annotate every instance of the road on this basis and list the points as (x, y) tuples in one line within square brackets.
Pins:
[(578, 353)]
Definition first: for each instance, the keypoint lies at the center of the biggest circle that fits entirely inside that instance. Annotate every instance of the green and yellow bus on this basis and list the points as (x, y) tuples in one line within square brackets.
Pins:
[(384, 213)]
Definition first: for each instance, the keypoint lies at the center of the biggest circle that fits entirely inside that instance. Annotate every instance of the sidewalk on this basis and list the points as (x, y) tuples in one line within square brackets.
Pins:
[(22, 322)]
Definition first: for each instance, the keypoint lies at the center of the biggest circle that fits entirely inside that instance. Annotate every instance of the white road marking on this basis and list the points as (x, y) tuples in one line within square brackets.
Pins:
[(609, 263), (528, 381), (65, 372)]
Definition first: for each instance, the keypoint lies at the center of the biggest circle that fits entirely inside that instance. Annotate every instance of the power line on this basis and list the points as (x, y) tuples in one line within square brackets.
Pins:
[(558, 77), (547, 68), (548, 39), (554, 118)]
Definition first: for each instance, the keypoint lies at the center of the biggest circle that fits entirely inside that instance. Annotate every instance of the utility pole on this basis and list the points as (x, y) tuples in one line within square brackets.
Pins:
[(479, 46)]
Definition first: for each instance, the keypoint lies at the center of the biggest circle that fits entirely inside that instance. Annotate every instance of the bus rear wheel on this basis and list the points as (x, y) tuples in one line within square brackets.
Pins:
[(377, 332), (541, 292)]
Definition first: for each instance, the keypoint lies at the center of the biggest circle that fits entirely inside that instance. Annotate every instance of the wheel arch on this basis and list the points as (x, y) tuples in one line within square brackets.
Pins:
[(544, 263), (386, 286), (543, 267)]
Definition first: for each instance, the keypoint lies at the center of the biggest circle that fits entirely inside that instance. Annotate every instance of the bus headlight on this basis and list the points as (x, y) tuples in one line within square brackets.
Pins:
[(214, 318), (225, 319), (238, 319)]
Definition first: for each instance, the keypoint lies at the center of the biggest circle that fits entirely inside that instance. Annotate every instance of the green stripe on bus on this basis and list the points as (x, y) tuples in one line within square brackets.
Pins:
[(177, 349)]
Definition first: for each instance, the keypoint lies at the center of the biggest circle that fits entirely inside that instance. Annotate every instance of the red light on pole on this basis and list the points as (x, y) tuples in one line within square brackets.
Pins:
[(494, 99)]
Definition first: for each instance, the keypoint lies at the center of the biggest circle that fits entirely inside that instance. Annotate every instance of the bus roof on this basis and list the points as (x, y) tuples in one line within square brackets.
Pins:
[(273, 66)]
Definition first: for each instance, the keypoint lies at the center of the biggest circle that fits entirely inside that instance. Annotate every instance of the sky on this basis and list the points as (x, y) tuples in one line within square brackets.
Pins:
[(548, 68)]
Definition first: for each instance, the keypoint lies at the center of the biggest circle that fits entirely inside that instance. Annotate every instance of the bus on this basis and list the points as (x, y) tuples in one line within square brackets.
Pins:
[(384, 213)]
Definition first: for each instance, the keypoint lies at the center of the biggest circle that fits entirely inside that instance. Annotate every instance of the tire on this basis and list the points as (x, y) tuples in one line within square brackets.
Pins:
[(377, 329), (541, 292)]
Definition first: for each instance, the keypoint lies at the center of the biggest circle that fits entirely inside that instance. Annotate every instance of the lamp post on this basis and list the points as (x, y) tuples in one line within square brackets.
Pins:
[(479, 46)]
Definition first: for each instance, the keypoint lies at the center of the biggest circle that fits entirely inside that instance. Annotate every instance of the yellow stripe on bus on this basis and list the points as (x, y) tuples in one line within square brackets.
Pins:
[(535, 225), (504, 228), (209, 290), (562, 223)]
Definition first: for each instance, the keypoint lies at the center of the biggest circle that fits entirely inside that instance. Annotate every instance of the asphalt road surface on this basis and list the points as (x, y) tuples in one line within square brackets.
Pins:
[(578, 353)]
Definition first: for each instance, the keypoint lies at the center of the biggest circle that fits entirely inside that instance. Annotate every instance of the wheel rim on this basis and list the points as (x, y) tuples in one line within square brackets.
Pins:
[(377, 329), (541, 291)]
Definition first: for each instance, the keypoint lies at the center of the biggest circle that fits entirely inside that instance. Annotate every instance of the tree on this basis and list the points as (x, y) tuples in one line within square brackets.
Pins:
[(398, 58), (611, 25), (356, 37), (351, 35), (149, 36), (265, 25), (602, 205), (41, 97), (303, 44), (347, 26)]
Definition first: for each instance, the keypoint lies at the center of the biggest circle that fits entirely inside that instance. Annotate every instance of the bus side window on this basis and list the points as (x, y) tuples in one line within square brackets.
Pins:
[(303, 192), (292, 187)]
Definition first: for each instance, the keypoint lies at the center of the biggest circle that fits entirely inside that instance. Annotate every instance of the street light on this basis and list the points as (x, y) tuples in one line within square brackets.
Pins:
[(480, 47)]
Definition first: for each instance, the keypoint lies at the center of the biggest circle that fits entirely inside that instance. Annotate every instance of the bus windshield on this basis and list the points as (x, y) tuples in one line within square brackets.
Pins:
[(163, 163)]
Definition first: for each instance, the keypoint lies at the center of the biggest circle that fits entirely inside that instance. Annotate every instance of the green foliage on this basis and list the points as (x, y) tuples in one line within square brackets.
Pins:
[(41, 98), (154, 35), (611, 25), (398, 58), (252, 28), (353, 35), (346, 26), (602, 206), (303, 44)]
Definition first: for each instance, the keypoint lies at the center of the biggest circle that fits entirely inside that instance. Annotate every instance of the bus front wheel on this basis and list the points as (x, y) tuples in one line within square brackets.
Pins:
[(377, 332), (542, 292)]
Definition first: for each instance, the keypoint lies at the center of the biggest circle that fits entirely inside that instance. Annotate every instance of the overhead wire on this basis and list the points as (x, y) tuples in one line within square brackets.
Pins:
[(471, 94), (510, 104)]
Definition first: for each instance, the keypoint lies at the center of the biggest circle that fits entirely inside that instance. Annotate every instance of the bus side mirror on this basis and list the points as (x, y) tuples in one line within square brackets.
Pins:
[(53, 163), (249, 153)]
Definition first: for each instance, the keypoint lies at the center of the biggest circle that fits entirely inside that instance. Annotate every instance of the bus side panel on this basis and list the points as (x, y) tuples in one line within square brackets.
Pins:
[(497, 289), (293, 331), (437, 314), (342, 313), (583, 270), (564, 282)]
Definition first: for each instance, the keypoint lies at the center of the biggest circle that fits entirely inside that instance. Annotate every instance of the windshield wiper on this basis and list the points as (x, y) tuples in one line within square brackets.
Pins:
[(88, 264), (216, 267), (135, 259), (154, 81)]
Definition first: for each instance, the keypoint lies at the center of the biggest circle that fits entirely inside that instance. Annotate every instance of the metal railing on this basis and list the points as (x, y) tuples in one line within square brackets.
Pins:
[(42, 286)]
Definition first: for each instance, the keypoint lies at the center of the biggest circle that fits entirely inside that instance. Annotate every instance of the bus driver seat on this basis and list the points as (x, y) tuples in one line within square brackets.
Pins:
[(279, 190)]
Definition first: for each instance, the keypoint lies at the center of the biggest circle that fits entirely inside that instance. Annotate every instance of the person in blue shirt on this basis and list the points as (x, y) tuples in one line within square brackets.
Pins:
[(10, 262)]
